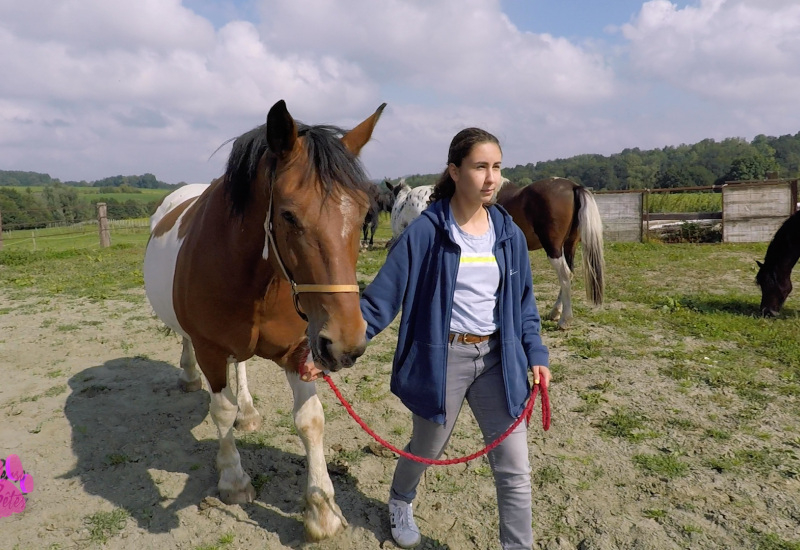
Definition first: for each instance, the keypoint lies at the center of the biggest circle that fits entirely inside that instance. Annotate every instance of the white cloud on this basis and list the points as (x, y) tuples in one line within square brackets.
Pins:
[(93, 88), (729, 50), (466, 50)]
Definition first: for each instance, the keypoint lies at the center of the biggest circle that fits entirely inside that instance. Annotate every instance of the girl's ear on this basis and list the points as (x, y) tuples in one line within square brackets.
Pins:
[(452, 169)]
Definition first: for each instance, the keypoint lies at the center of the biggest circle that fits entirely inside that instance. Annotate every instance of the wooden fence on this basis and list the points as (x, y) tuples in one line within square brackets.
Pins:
[(101, 226), (751, 210)]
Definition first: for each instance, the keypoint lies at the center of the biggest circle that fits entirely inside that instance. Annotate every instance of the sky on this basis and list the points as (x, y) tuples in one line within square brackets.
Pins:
[(97, 88)]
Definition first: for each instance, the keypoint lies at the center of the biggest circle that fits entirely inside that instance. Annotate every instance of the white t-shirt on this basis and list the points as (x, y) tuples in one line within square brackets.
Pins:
[(477, 282)]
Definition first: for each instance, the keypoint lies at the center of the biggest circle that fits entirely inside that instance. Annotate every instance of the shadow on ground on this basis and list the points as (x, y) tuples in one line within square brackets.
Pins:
[(132, 427)]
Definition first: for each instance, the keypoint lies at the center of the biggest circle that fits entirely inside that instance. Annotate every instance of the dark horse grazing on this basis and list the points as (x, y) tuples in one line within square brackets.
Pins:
[(380, 200), (555, 214), (775, 274), (262, 262)]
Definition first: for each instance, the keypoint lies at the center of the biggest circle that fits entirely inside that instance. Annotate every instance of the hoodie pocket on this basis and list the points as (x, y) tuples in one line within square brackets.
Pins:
[(419, 380)]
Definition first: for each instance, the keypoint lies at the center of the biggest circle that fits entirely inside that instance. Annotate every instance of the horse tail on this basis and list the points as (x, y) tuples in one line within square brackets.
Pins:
[(591, 229)]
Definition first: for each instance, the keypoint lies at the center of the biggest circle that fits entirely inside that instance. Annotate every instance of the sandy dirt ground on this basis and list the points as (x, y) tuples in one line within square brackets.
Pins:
[(121, 458)]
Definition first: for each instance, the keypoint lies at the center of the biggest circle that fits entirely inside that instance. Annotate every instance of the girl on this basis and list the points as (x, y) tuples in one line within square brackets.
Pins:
[(469, 329)]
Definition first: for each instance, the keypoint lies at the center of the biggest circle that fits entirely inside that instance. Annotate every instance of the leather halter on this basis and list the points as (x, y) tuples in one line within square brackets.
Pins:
[(296, 288)]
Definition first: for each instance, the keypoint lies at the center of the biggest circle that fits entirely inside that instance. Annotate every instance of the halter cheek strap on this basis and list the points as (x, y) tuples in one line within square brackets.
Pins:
[(297, 289)]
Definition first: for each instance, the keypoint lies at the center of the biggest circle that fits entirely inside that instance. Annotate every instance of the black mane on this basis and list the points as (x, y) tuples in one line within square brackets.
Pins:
[(331, 163)]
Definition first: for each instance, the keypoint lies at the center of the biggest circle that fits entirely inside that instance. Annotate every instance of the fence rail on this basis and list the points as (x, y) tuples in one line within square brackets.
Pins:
[(96, 232)]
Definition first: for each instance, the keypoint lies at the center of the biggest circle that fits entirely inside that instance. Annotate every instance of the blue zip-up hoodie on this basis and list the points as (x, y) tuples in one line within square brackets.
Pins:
[(419, 276)]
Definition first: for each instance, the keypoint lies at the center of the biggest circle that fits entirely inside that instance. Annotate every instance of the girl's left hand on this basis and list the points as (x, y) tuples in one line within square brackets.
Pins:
[(541, 374), (308, 371)]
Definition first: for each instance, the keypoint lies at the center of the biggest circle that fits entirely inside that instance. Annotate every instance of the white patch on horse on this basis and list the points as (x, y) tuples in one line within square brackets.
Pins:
[(349, 214), (409, 204), (161, 256)]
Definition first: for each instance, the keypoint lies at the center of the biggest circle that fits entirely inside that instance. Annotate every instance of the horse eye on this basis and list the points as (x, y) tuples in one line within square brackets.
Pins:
[(290, 219)]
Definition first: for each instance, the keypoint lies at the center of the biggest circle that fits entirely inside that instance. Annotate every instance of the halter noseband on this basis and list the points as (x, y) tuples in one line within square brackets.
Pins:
[(297, 289)]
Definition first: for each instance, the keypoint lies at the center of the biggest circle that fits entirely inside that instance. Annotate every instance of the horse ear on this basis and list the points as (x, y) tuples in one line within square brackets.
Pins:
[(281, 129), (356, 138), (388, 185), (760, 265)]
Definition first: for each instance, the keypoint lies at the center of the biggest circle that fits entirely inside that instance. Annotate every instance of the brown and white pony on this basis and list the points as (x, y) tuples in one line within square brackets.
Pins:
[(555, 214), (262, 262)]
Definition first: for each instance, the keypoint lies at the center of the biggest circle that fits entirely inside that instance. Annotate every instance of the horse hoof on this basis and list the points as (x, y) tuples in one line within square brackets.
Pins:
[(243, 496), (248, 422), (323, 524), (190, 385)]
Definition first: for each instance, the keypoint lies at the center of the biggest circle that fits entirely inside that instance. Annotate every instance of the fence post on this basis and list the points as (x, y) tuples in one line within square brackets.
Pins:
[(102, 222)]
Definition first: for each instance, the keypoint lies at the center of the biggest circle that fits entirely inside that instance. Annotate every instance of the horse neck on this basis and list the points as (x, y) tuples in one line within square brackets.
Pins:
[(402, 194), (784, 250), (243, 238)]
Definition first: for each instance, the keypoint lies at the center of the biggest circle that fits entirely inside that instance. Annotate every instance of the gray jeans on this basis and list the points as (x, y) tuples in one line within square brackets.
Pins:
[(474, 373)]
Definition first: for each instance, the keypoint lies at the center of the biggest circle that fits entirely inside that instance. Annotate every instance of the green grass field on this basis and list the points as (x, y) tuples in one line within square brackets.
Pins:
[(75, 237)]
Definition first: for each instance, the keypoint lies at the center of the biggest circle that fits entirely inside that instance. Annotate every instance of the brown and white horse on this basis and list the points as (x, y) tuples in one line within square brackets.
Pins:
[(555, 214), (262, 262)]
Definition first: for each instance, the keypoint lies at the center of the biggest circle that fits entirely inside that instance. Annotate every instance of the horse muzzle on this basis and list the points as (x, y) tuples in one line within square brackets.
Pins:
[(334, 356)]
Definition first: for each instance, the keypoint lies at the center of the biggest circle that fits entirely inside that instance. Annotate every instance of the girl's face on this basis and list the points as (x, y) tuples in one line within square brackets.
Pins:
[(479, 174)]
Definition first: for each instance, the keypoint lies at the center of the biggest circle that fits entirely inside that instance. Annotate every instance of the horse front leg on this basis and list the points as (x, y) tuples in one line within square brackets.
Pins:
[(190, 379), (562, 309), (234, 484), (322, 515), (247, 418)]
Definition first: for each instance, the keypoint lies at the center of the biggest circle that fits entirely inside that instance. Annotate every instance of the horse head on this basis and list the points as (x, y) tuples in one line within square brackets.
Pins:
[(774, 290), (319, 197)]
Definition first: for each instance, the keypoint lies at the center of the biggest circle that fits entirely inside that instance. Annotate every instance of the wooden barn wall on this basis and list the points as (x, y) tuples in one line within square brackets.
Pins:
[(622, 216), (753, 213)]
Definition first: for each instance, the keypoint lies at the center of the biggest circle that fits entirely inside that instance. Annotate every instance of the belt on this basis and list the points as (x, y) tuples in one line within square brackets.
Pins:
[(467, 338)]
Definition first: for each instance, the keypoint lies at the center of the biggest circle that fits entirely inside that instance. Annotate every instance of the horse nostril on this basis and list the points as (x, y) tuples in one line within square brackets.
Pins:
[(325, 345), (348, 360)]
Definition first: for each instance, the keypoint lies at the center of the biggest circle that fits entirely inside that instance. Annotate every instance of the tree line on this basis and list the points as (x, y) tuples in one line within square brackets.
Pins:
[(17, 178), (705, 163), (60, 203)]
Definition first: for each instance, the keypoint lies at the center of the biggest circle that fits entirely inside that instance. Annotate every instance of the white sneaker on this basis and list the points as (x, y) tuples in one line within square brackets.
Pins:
[(404, 531)]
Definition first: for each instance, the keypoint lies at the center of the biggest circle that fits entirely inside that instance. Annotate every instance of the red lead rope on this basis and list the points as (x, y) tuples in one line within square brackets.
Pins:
[(526, 415)]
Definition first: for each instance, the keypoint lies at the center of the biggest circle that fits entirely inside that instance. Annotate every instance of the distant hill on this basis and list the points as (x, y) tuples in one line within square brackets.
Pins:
[(35, 179), (705, 163)]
